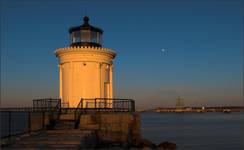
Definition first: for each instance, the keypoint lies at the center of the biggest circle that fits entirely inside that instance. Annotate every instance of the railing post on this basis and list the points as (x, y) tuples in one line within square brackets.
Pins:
[(81, 103), (29, 122), (133, 106), (123, 105), (95, 103), (9, 123), (43, 119), (128, 105), (50, 104), (60, 104)]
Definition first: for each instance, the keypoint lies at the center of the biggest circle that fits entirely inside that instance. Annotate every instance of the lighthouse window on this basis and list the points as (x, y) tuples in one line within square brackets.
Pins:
[(99, 38), (94, 37), (76, 37), (85, 36)]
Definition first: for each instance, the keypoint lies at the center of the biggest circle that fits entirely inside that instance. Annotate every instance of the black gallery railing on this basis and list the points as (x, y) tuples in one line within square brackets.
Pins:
[(47, 104), (112, 104)]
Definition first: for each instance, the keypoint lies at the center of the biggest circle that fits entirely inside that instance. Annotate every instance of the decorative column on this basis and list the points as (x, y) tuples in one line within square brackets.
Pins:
[(60, 82), (100, 80), (111, 81), (71, 85)]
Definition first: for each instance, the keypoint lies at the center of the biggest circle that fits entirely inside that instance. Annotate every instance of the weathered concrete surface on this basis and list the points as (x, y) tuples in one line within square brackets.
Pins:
[(62, 136), (36, 120), (114, 127), (46, 119), (39, 120), (68, 116), (53, 139)]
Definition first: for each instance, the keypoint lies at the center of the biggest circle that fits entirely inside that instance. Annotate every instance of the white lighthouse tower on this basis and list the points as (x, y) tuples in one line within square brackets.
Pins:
[(85, 68)]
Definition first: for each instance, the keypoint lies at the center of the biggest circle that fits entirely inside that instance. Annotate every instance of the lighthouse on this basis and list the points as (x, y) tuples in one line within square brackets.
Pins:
[(85, 67)]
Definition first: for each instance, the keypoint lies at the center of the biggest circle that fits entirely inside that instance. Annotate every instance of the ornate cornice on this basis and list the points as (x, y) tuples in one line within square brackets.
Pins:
[(86, 50)]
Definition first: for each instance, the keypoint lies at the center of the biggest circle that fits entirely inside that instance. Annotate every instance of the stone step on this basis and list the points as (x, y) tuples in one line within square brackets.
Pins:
[(67, 135), (67, 117), (65, 146), (42, 146), (66, 121), (89, 126), (51, 142), (60, 133), (65, 125), (54, 138), (66, 132)]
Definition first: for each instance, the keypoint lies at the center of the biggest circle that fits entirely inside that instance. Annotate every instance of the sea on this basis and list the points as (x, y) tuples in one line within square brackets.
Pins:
[(195, 131)]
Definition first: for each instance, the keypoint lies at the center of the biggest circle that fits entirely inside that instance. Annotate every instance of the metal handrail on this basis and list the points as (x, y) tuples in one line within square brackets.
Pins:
[(50, 106), (78, 113), (28, 112)]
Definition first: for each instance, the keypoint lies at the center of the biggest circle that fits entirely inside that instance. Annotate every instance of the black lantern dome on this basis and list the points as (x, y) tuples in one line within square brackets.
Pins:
[(86, 35)]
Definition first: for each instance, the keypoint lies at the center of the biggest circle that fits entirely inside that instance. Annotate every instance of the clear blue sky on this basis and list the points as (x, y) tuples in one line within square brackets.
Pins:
[(202, 62)]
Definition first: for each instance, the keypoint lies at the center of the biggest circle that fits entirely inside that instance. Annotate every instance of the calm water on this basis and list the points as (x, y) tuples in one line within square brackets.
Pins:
[(195, 131)]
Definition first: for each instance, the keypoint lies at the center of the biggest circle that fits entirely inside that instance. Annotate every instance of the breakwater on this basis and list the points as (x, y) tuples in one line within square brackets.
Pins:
[(95, 130)]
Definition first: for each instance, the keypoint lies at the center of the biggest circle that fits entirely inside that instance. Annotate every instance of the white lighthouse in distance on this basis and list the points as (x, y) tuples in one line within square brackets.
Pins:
[(85, 68)]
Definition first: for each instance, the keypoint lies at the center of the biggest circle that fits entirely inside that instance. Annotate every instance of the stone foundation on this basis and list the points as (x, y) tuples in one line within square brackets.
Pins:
[(113, 127)]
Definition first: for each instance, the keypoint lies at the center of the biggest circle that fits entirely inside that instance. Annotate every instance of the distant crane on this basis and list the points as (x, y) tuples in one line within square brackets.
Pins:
[(179, 103)]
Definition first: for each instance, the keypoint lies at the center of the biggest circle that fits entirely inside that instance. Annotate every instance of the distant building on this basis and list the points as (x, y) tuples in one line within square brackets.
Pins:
[(85, 68)]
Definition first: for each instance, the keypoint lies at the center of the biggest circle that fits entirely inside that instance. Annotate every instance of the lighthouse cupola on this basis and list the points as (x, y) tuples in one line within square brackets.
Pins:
[(86, 35)]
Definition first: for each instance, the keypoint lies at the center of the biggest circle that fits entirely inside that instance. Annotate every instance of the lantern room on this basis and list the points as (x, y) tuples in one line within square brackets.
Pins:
[(86, 35)]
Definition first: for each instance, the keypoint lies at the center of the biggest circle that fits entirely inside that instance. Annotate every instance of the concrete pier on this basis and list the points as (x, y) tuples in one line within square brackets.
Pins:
[(94, 128)]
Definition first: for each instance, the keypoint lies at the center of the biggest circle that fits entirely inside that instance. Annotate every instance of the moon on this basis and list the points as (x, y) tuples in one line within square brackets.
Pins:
[(163, 50)]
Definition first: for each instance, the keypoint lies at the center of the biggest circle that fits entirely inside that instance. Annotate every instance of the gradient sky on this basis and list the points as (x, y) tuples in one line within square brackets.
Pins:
[(202, 62)]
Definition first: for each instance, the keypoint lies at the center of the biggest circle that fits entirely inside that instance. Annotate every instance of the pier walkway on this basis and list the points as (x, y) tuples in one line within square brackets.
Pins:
[(62, 136), (48, 139)]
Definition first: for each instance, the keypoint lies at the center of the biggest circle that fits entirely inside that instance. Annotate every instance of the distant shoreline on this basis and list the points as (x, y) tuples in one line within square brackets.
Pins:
[(226, 109)]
